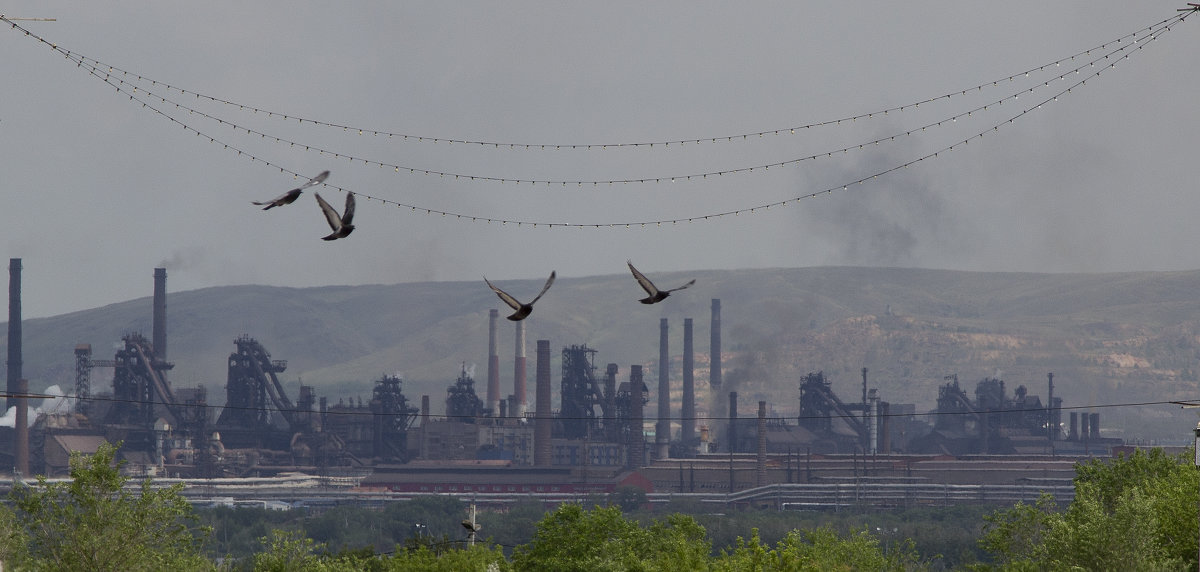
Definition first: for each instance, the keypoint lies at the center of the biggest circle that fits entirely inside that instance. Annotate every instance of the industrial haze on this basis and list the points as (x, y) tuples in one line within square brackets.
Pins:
[(99, 188), (1109, 338)]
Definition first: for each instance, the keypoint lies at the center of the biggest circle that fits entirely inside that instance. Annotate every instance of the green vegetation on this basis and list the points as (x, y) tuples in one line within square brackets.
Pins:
[(93, 523), (1137, 512), (818, 549), (572, 538)]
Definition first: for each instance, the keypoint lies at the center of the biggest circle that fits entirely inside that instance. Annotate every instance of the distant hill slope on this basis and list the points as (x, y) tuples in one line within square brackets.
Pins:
[(1107, 337)]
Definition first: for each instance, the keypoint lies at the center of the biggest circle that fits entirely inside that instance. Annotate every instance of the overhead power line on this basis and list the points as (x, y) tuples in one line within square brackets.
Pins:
[(146, 101), (790, 130), (116, 80)]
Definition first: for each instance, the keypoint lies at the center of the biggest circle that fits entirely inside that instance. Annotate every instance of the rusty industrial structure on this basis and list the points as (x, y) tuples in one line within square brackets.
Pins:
[(592, 438)]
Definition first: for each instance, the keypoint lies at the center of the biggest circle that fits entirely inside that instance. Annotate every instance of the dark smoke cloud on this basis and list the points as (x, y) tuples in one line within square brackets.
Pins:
[(184, 259), (899, 221)]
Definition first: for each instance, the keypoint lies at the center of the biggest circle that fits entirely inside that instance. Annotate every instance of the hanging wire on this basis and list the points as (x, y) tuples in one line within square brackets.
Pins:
[(588, 146), (120, 88), (116, 77), (113, 78)]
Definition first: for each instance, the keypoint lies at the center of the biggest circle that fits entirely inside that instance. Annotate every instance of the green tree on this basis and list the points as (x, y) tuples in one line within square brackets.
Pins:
[(477, 558), (1135, 512), (438, 516), (236, 531), (572, 538), (14, 543), (93, 523), (629, 498), (292, 552), (514, 526), (818, 549), (1017, 534), (288, 551)]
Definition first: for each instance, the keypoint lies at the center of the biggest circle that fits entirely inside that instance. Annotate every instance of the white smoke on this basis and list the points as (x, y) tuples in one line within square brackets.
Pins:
[(57, 403)]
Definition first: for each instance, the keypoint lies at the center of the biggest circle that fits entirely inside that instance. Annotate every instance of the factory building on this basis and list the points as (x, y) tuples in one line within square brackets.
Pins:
[(596, 436)]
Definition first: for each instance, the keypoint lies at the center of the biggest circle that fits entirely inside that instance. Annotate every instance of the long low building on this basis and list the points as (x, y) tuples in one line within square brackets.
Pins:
[(498, 477)]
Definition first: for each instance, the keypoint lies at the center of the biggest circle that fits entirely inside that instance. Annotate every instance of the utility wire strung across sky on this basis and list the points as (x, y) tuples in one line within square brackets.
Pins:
[(131, 88), (135, 95), (115, 70), (117, 78)]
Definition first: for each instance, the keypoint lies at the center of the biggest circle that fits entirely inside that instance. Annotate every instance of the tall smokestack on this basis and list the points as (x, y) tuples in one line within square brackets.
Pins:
[(714, 356), (14, 330), (21, 430), (733, 422), (867, 412), (493, 379), (687, 416), (864, 387), (760, 465), (662, 429), (637, 438), (1051, 425), (423, 444), (160, 314), (542, 421), (610, 401), (873, 424), (519, 373)]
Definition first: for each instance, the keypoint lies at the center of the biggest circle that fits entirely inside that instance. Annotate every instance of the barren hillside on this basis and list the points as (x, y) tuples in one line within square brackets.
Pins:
[(1108, 338)]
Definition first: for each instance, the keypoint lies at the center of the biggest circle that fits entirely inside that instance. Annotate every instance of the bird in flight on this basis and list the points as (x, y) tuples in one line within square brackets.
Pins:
[(291, 196), (522, 310), (655, 295), (341, 225)]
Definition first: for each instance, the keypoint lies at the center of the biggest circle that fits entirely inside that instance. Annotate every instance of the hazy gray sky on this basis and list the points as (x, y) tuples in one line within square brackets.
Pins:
[(98, 190)]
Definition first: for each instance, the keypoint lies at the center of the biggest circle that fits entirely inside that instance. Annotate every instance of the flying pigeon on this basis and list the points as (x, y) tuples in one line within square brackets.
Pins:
[(656, 295), (522, 310), (291, 196), (341, 225)]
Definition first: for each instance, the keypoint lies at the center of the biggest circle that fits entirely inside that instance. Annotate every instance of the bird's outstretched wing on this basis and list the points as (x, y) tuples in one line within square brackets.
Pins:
[(512, 302), (690, 282), (331, 216), (320, 178), (645, 283), (348, 215), (285, 198), (549, 281)]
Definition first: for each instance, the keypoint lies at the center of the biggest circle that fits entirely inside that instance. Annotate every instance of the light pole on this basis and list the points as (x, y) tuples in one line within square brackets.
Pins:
[(883, 534), (1196, 462), (1195, 448), (471, 526)]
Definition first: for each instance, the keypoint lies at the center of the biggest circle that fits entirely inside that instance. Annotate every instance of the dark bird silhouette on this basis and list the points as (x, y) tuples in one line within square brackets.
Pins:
[(522, 310), (291, 196), (341, 225), (655, 295)]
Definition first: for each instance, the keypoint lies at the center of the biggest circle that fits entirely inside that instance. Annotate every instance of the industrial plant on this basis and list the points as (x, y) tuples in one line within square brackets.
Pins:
[(593, 439)]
